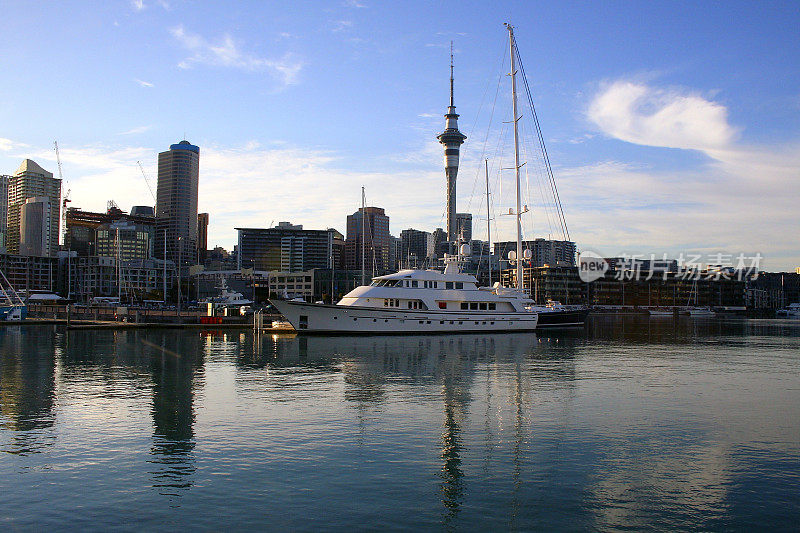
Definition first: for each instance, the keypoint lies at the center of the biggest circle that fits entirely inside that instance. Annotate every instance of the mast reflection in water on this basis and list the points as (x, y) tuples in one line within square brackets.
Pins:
[(630, 423)]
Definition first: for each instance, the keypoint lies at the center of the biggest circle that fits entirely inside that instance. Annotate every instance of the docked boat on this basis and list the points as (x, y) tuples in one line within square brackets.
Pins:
[(417, 301), (699, 311), (792, 311), (557, 315)]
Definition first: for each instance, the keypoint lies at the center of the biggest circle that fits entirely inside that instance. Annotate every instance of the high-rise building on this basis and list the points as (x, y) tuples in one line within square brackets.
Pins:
[(32, 181), (34, 227), (176, 201), (202, 236), (374, 240), (452, 139), (413, 247), (285, 248), (438, 244), (4, 180), (464, 227)]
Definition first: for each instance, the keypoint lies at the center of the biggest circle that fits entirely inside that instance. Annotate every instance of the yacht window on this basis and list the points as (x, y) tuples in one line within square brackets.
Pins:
[(492, 307), (448, 284), (464, 306), (386, 303), (473, 306), (459, 285), (483, 307), (442, 305), (409, 304), (414, 283)]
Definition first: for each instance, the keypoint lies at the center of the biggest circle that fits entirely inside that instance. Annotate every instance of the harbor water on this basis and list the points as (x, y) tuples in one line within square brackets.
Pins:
[(630, 423)]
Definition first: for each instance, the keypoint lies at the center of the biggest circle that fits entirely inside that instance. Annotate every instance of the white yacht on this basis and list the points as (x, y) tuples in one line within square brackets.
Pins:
[(417, 301)]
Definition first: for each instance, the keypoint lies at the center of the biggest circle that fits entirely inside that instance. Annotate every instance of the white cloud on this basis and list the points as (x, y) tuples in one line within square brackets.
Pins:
[(226, 53), (743, 199), (137, 5), (7, 145), (134, 131), (143, 83), (657, 117)]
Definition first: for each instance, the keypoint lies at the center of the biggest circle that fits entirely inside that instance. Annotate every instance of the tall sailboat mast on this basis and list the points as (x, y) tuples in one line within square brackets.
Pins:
[(488, 223), (515, 119), (363, 234)]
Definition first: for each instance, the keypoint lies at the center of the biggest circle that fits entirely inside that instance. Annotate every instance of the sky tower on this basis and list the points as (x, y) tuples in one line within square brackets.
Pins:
[(452, 139)]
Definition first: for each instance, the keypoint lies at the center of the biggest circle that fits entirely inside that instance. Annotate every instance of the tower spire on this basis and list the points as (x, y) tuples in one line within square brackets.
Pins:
[(452, 139), (452, 105)]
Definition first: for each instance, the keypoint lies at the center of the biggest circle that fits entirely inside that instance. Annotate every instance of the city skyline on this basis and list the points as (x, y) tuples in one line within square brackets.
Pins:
[(674, 133)]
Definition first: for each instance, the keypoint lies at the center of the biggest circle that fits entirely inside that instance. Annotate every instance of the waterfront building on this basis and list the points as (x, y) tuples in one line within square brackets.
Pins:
[(32, 181), (4, 181), (413, 247), (452, 139), (176, 202), (30, 272), (34, 226), (89, 277), (375, 243), (285, 247), (202, 237), (543, 251), (89, 234)]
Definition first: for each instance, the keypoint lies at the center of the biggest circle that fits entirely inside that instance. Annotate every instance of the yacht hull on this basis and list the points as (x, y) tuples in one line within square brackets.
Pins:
[(562, 319), (324, 318)]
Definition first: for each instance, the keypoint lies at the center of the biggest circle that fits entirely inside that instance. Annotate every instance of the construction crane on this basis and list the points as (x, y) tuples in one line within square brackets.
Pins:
[(147, 181), (66, 200)]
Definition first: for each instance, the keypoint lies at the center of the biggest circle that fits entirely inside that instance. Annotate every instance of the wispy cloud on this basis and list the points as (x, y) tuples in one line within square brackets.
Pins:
[(7, 145), (740, 194), (354, 4), (143, 83), (341, 25), (137, 5), (134, 131), (644, 115), (226, 52)]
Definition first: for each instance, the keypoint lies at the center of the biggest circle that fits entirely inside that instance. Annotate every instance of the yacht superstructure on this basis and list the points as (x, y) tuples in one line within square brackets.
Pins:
[(417, 301)]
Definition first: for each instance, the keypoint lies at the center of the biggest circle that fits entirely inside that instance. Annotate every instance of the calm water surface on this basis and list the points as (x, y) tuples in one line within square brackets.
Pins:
[(628, 424)]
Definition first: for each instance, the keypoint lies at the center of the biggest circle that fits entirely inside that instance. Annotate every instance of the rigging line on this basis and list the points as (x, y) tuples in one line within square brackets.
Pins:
[(559, 207), (489, 126), (545, 204)]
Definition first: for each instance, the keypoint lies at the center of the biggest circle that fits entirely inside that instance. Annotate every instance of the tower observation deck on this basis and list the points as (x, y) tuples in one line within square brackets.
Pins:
[(452, 139)]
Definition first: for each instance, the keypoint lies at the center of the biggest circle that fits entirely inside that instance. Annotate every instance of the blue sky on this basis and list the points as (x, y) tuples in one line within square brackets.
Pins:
[(671, 127)]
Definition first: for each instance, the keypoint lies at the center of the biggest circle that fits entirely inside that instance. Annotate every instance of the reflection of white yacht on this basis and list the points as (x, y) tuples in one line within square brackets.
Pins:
[(792, 311), (417, 301)]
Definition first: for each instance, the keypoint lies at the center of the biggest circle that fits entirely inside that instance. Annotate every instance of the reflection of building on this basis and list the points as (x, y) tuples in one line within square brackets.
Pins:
[(285, 247), (27, 388), (32, 181), (174, 362), (176, 201), (368, 228)]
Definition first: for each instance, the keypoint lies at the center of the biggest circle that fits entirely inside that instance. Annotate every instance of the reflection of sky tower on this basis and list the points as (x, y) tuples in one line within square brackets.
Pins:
[(452, 139)]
